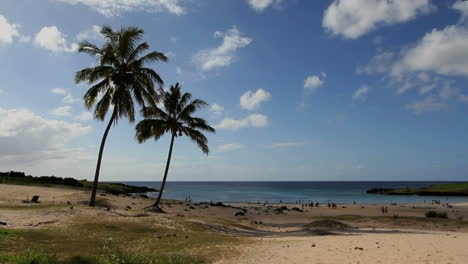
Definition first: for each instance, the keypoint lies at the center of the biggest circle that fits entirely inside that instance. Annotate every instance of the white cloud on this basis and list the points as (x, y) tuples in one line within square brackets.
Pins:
[(58, 91), (70, 99), (461, 6), (254, 120), (27, 136), (52, 39), (440, 51), (380, 63), (8, 32), (312, 82), (116, 7), (260, 5), (361, 93), (179, 70), (224, 54), (84, 116), (286, 144), (428, 104), (429, 66), (354, 18), (217, 109), (251, 100), (91, 34), (61, 111), (229, 147)]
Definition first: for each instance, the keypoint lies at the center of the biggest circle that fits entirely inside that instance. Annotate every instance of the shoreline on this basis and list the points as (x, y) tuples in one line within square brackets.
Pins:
[(229, 232)]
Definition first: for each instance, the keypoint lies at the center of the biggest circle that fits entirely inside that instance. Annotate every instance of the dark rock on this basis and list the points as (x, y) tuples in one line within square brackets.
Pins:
[(3, 223), (240, 214)]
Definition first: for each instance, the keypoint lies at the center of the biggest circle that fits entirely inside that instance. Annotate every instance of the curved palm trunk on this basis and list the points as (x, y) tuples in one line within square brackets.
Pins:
[(92, 200), (161, 190)]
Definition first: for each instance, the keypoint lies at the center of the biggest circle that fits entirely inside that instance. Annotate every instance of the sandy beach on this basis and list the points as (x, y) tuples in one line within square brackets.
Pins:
[(264, 233)]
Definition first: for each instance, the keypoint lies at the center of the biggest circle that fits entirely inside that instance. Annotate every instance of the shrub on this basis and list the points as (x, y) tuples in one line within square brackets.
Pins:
[(34, 257), (435, 214)]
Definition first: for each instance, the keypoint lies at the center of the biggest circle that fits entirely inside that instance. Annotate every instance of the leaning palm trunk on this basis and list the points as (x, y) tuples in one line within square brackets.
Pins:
[(92, 201), (163, 184)]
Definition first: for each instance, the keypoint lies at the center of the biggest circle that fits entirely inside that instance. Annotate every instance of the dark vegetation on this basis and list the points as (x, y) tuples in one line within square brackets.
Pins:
[(20, 178), (435, 214), (449, 189)]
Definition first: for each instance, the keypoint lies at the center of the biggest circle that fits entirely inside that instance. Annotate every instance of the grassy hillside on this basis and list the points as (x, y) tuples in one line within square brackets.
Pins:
[(450, 189), (19, 178)]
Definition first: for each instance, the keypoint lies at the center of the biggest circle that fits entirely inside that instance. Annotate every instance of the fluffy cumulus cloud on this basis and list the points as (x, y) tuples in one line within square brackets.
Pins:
[(116, 7), (440, 51), (428, 66), (61, 111), (58, 91), (260, 5), (224, 54), (52, 39), (354, 18), (94, 33), (361, 93), (8, 31), (251, 100), (217, 109), (313, 82), (68, 97), (462, 7), (27, 136), (84, 116), (254, 120), (229, 147)]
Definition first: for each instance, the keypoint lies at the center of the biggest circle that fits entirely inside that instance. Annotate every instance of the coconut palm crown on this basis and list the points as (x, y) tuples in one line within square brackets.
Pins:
[(120, 79), (177, 120)]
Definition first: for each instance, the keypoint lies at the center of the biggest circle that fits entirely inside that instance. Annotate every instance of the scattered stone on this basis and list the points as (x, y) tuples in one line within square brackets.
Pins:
[(297, 209), (358, 248), (71, 207), (191, 207), (240, 214), (186, 236), (313, 245), (128, 207), (103, 194), (3, 223), (68, 203), (35, 199)]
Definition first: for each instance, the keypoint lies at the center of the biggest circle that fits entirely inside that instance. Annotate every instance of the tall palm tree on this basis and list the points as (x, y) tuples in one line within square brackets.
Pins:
[(176, 119), (120, 77)]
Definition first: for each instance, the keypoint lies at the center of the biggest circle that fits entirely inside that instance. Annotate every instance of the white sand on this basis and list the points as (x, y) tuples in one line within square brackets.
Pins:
[(440, 248)]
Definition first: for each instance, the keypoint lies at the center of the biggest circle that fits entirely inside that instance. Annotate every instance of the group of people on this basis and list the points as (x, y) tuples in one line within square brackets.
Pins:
[(188, 199), (384, 209)]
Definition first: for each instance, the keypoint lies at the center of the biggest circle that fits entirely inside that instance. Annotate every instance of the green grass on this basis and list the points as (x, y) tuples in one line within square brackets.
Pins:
[(410, 222), (130, 236), (435, 214), (113, 188), (111, 256), (437, 189)]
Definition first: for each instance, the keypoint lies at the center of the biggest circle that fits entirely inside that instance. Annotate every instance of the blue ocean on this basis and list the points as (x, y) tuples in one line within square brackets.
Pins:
[(339, 192)]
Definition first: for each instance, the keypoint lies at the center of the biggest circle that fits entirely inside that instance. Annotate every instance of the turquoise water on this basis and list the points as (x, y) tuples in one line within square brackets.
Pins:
[(339, 192)]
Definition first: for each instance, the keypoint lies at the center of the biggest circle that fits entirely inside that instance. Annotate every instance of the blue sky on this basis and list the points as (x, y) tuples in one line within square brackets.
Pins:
[(298, 90)]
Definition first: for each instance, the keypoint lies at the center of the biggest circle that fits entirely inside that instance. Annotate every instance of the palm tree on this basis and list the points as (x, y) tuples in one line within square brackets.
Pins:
[(120, 77), (177, 120)]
